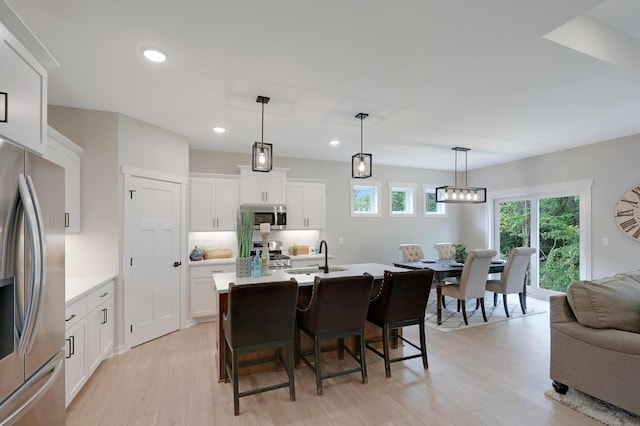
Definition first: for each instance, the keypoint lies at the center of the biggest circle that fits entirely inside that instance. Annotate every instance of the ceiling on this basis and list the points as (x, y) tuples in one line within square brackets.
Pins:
[(507, 79)]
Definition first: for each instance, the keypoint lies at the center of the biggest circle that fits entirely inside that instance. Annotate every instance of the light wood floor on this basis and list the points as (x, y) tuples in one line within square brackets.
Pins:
[(494, 374)]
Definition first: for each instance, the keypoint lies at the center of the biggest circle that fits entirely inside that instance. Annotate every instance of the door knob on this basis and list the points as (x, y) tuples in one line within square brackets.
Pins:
[(176, 264)]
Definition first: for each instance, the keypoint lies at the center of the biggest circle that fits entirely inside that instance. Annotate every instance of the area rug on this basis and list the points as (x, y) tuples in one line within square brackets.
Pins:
[(598, 410), (452, 320)]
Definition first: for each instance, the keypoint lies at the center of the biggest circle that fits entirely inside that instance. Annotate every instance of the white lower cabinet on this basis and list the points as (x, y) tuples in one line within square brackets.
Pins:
[(203, 294), (75, 363), (89, 336)]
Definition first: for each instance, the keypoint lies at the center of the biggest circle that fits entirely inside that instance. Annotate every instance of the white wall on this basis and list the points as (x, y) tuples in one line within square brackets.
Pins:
[(95, 250), (613, 166)]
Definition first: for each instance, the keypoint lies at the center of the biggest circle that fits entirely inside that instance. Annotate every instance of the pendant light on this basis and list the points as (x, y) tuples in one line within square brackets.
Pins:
[(361, 163), (262, 153), (461, 194)]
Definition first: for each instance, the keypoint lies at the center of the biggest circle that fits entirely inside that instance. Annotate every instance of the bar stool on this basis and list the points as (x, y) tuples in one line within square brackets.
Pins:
[(260, 317), (400, 302), (337, 309)]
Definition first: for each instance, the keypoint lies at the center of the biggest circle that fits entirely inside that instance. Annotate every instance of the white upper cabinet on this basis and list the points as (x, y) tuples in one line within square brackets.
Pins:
[(214, 203), (306, 205), (66, 154), (263, 188), (23, 84)]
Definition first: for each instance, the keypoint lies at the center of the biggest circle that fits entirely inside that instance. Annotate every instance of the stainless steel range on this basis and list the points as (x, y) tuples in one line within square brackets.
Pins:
[(277, 260)]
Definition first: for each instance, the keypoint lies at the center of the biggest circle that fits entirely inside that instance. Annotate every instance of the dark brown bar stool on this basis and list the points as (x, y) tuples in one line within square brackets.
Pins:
[(260, 317), (337, 309), (400, 302)]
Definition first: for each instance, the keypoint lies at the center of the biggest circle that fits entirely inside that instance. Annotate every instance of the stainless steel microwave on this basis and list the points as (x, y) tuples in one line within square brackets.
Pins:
[(276, 216)]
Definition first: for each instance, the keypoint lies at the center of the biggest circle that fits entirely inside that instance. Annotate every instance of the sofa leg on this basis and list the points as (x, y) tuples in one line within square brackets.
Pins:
[(559, 387)]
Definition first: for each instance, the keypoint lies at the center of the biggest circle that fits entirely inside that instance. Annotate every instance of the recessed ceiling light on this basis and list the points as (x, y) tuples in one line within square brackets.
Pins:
[(153, 54), (334, 142), (219, 129)]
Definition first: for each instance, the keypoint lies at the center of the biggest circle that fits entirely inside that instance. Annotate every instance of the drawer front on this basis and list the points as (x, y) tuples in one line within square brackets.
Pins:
[(206, 271), (101, 295), (75, 312)]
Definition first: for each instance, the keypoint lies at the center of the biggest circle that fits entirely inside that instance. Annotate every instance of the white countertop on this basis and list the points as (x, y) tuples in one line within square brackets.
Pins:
[(76, 287), (209, 262), (222, 279)]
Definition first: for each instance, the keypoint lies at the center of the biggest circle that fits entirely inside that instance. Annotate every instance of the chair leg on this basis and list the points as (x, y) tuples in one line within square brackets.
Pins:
[(316, 349), (495, 299), (504, 302), (395, 338), (236, 390), (523, 304), (297, 347), (459, 305), (363, 362), (385, 342), (464, 311), (477, 303), (423, 345), (444, 305), (340, 348), (292, 382), (484, 314)]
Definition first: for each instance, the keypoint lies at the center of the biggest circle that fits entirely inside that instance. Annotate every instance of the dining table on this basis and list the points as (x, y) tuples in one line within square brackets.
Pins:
[(443, 269)]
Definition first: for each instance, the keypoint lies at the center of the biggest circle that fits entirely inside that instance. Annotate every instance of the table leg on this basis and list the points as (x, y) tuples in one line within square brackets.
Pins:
[(439, 284)]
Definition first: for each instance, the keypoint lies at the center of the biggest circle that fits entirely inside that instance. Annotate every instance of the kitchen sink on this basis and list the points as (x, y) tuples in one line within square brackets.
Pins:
[(315, 270)]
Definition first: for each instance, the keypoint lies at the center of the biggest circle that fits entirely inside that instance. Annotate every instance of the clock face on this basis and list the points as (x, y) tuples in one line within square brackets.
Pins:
[(627, 213)]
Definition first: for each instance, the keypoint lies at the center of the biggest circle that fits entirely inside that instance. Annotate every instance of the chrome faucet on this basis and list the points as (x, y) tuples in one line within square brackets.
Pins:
[(324, 268)]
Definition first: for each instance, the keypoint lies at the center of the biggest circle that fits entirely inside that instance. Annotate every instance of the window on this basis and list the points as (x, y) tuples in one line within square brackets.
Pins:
[(431, 208), (402, 199), (554, 219), (365, 199)]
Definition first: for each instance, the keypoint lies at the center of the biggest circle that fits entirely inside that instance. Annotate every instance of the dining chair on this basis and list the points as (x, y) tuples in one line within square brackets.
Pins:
[(445, 251), (411, 252), (260, 317), (337, 309), (513, 277), (400, 302), (473, 280)]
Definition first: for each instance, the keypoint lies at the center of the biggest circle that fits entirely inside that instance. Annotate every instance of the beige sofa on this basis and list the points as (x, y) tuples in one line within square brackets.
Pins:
[(595, 339)]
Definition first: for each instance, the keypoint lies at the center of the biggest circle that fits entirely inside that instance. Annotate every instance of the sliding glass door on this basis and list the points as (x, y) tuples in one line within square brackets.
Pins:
[(557, 224)]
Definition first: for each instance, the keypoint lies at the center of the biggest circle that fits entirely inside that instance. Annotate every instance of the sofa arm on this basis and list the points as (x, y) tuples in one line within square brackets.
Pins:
[(560, 309)]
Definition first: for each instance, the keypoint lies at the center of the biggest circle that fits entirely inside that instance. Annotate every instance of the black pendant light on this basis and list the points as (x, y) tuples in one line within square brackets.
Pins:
[(262, 153), (361, 163), (461, 194)]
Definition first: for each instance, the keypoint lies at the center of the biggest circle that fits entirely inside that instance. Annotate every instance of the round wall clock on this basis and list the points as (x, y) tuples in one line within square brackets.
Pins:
[(627, 213)]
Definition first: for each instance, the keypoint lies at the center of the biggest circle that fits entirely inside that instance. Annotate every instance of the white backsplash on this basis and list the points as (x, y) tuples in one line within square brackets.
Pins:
[(227, 239)]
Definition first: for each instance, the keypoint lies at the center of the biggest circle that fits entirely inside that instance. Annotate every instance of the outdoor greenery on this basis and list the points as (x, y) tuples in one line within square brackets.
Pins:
[(430, 202), (559, 245), (398, 201), (361, 200)]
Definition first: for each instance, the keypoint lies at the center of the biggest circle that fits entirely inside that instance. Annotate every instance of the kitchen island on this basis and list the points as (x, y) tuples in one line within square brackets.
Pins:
[(305, 278)]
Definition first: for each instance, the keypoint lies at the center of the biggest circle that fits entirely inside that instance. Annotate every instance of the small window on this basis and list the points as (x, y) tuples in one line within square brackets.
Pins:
[(365, 199), (402, 199), (431, 208)]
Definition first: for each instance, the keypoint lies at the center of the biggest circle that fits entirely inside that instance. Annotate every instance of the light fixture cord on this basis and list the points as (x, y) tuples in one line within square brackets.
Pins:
[(361, 118), (466, 170), (262, 135), (456, 170)]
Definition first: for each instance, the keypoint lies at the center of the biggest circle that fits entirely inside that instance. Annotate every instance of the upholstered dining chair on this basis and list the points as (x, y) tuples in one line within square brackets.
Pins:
[(337, 309), (259, 317), (400, 302), (445, 251), (513, 277), (473, 280), (411, 252)]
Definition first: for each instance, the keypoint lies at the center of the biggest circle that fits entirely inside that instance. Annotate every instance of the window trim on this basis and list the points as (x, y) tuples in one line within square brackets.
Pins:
[(377, 187), (408, 188), (441, 207)]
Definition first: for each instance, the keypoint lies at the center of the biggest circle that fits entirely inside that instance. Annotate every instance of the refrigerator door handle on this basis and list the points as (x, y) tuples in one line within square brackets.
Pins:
[(41, 256), (8, 411), (34, 286)]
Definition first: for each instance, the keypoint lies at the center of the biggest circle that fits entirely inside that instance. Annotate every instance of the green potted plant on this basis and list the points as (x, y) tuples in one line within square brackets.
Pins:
[(294, 249), (461, 253), (244, 235)]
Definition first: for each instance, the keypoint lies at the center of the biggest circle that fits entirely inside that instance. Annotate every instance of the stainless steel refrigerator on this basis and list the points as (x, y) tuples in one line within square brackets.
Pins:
[(31, 289)]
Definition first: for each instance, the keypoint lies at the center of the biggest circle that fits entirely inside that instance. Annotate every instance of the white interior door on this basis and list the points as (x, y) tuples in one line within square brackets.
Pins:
[(152, 282)]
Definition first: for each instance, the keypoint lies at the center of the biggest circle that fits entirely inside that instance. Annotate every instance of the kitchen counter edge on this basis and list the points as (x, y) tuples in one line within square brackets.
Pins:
[(78, 286)]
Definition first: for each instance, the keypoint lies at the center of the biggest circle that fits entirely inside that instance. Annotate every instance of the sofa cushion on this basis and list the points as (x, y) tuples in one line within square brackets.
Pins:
[(631, 276), (606, 303)]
